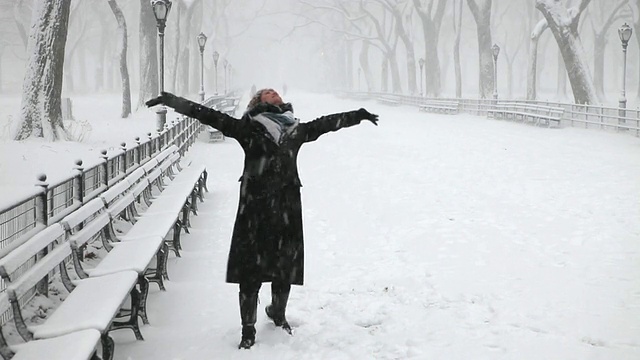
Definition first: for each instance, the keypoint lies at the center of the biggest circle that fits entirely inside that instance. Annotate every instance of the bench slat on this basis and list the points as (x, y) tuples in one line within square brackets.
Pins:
[(41, 268), (78, 345), (93, 304), (79, 216), (16, 258)]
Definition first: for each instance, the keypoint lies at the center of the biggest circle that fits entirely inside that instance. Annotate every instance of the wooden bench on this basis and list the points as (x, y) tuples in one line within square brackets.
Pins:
[(90, 223), (440, 106), (91, 303), (79, 345), (537, 114)]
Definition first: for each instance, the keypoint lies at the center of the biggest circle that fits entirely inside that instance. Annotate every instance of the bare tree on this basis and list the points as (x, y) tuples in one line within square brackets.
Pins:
[(148, 54), (431, 22), (563, 23), (397, 10), (481, 10), (122, 51), (41, 114)]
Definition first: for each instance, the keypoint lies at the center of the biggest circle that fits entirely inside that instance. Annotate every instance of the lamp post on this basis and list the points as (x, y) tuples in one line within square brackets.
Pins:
[(624, 32), (230, 73), (225, 63), (202, 40), (216, 56), (421, 63), (161, 10), (496, 50), (359, 70)]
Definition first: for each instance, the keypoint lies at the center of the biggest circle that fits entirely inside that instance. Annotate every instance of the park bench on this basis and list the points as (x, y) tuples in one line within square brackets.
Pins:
[(79, 345), (91, 303), (537, 114), (440, 106), (388, 100), (89, 223)]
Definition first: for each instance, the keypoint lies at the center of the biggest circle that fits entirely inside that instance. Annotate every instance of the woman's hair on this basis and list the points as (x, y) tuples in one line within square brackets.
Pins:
[(256, 99)]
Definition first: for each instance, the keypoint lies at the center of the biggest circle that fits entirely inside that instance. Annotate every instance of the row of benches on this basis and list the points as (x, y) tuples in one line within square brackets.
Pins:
[(155, 211), (535, 113)]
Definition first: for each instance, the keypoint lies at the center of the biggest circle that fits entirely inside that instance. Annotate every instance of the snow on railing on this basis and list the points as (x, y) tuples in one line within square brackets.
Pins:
[(27, 214), (589, 116)]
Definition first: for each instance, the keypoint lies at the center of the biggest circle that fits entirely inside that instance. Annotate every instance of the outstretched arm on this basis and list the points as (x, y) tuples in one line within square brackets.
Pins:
[(335, 122), (229, 126)]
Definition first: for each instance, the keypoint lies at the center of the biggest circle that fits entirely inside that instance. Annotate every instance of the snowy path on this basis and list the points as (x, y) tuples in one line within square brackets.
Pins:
[(429, 237)]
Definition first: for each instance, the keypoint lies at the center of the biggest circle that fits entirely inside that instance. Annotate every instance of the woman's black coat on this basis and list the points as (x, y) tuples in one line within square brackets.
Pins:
[(267, 242)]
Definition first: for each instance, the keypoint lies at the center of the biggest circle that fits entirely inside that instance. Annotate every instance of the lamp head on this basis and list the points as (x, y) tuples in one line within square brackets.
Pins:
[(202, 39), (421, 62), (216, 56), (625, 32), (496, 50)]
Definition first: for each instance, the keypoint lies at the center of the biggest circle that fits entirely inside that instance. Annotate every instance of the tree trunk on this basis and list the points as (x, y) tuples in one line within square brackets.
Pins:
[(122, 51), (349, 64), (532, 74), (598, 64), (482, 15), (148, 54), (384, 81), (41, 114), (563, 24), (456, 48), (364, 64), (431, 33), (395, 74), (561, 91)]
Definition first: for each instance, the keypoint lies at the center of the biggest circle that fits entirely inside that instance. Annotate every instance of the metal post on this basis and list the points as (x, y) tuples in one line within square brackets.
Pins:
[(201, 76), (162, 111), (42, 203), (105, 167), (622, 104), (78, 183)]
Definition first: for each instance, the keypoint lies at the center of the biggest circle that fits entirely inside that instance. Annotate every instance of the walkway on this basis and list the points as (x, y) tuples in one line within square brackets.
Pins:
[(428, 237)]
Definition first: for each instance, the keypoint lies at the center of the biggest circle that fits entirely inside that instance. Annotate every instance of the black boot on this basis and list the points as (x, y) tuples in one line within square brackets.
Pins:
[(248, 310), (276, 311)]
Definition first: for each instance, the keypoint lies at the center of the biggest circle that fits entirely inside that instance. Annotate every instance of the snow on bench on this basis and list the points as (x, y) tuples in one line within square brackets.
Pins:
[(92, 221), (91, 303), (527, 112), (79, 345), (178, 198)]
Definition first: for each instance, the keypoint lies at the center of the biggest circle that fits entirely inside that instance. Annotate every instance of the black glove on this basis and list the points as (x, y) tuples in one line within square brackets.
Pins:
[(363, 114), (165, 98)]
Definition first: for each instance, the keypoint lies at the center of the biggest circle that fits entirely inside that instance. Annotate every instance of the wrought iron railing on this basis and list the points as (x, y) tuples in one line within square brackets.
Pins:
[(49, 202)]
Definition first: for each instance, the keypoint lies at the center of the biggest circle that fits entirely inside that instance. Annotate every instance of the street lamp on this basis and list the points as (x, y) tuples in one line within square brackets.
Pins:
[(225, 64), (202, 40), (421, 63), (161, 10), (216, 56), (496, 50), (230, 73), (624, 32)]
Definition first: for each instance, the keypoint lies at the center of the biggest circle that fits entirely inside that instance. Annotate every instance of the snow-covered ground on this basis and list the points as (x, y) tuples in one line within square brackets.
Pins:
[(427, 237)]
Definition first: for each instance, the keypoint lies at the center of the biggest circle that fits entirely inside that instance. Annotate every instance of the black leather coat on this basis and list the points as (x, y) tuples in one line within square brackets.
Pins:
[(267, 242)]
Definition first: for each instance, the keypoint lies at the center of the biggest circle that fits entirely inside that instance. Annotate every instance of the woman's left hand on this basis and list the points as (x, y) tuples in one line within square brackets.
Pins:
[(363, 114)]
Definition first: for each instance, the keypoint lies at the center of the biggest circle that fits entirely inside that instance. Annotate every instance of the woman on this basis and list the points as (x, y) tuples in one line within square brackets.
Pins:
[(267, 241)]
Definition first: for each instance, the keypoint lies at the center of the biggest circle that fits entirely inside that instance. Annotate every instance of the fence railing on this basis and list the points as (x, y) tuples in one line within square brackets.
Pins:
[(587, 116), (48, 203)]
